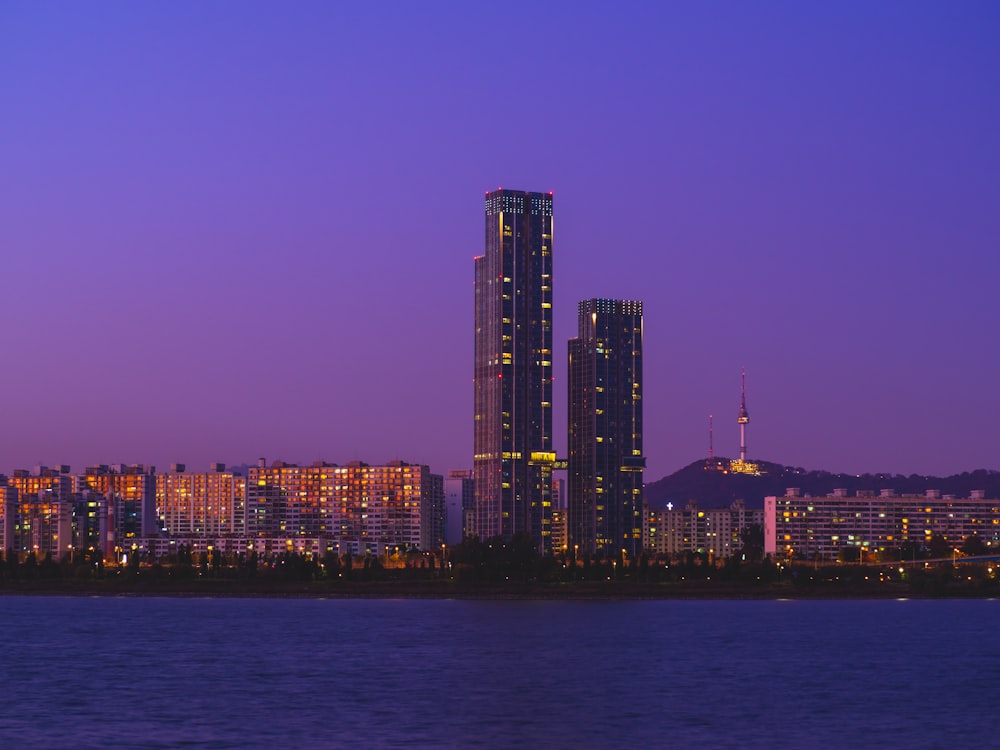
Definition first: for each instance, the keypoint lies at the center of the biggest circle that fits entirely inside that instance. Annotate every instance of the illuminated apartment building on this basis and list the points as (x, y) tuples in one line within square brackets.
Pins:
[(44, 525), (130, 493), (52, 483), (8, 513), (513, 453), (89, 525), (820, 527), (239, 505), (45, 510), (90, 520), (360, 507), (605, 429), (38, 512), (398, 504), (286, 499), (713, 531), (200, 504), (560, 541)]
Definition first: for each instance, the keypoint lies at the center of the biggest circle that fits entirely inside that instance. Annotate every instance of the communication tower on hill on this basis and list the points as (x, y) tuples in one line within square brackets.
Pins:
[(744, 419)]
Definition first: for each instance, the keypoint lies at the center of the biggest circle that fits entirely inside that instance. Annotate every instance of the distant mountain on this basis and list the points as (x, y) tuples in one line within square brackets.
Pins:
[(711, 485)]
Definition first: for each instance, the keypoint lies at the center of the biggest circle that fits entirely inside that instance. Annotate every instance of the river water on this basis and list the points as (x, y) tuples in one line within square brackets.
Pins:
[(312, 673)]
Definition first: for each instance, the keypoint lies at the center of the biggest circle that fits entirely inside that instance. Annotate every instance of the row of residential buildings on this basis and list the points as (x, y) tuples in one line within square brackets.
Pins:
[(362, 509), (820, 527), (357, 507)]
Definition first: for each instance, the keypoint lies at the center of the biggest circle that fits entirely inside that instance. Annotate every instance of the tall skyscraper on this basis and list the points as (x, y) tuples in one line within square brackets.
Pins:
[(605, 429), (513, 453)]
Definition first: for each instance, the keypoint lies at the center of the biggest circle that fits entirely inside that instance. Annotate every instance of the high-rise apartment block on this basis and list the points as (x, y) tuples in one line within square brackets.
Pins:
[(605, 429), (38, 512), (51, 496), (200, 504), (717, 532), (44, 526), (90, 520), (8, 513), (44, 482), (513, 452), (285, 499), (357, 507), (130, 493), (560, 542), (397, 504)]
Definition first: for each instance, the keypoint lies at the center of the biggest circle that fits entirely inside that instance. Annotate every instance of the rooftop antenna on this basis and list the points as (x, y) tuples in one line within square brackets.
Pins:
[(744, 419), (711, 452)]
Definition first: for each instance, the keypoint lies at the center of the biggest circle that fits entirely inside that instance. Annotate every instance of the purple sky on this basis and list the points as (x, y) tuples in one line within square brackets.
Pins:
[(232, 230)]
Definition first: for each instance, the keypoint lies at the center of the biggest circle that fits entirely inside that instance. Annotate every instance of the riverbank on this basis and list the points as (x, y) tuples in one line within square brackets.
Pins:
[(114, 585)]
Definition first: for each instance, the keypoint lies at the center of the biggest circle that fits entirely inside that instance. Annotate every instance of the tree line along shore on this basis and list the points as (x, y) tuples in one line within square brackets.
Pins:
[(492, 569)]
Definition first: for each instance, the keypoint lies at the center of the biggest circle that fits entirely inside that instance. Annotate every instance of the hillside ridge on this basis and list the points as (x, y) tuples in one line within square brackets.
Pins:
[(711, 484)]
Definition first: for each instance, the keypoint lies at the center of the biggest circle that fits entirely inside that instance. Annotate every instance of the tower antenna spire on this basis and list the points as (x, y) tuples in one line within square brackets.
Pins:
[(711, 452), (744, 418)]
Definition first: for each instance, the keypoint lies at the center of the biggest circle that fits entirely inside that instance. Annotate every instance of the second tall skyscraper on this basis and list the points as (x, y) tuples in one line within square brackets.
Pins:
[(605, 429)]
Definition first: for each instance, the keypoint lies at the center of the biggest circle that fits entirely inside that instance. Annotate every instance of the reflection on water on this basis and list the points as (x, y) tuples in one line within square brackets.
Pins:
[(264, 673)]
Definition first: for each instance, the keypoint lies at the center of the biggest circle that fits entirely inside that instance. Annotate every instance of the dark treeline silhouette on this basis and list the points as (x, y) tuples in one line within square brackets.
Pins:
[(497, 561), (494, 567), (184, 564)]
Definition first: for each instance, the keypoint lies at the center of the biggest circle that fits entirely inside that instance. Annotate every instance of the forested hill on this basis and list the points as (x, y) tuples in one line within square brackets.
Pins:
[(711, 486)]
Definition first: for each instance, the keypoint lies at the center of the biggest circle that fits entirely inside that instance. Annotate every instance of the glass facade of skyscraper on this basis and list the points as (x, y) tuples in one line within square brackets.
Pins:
[(513, 451), (605, 429)]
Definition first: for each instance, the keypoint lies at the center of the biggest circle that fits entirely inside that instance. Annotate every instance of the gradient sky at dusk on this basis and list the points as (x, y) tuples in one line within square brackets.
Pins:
[(232, 230)]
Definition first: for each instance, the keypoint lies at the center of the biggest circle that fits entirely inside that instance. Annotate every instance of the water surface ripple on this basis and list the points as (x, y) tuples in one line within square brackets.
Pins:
[(265, 673)]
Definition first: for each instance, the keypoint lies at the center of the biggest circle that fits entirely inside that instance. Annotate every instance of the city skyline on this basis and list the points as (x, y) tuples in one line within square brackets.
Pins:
[(218, 245)]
